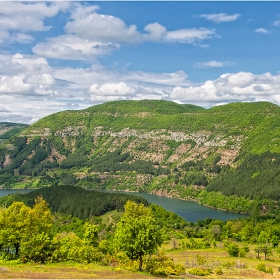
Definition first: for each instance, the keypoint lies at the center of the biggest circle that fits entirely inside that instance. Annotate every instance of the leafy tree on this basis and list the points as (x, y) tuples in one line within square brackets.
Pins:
[(136, 234), (233, 250), (91, 235), (19, 224)]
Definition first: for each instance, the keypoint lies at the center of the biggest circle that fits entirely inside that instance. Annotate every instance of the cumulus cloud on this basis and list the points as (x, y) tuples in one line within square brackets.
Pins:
[(213, 64), (111, 89), (72, 47), (90, 34), (19, 18), (276, 23), (156, 31), (221, 17), (241, 86), (87, 24), (262, 30)]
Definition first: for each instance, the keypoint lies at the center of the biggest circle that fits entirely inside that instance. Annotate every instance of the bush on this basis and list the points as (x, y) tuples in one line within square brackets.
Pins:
[(162, 265), (269, 270), (200, 271), (228, 264), (233, 250), (261, 267), (219, 271)]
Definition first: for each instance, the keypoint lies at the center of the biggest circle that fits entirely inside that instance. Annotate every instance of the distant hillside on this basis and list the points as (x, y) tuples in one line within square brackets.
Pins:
[(154, 146), (8, 130)]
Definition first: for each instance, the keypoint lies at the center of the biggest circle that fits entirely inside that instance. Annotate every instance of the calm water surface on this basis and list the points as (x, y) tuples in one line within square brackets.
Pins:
[(189, 210)]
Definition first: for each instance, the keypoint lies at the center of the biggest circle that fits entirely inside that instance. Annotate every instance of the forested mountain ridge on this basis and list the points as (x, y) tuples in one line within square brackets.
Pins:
[(155, 146)]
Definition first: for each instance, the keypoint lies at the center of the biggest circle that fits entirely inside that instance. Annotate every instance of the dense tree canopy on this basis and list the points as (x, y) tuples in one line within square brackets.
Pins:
[(136, 233)]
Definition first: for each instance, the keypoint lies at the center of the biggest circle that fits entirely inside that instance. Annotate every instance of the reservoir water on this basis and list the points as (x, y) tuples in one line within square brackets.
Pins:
[(189, 210)]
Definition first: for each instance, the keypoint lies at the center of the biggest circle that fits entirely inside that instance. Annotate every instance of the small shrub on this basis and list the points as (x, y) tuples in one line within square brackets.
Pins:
[(218, 271), (228, 264), (233, 250), (261, 267), (200, 260), (162, 265), (269, 270), (200, 271)]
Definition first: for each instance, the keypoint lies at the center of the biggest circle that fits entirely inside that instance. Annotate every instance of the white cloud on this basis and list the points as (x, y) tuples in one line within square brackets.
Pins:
[(241, 86), (72, 47), (19, 18), (90, 34), (276, 23), (189, 35), (156, 31), (111, 89), (262, 30), (213, 64), (221, 17), (87, 24), (21, 38)]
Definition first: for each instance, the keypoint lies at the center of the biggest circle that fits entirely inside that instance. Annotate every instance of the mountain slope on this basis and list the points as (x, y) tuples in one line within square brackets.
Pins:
[(155, 146)]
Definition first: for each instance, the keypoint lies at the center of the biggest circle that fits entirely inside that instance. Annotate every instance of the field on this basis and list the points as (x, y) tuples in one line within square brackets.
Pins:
[(65, 271), (231, 267)]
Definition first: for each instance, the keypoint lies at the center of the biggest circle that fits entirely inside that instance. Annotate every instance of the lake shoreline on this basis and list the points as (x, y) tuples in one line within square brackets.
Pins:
[(169, 196), (162, 193)]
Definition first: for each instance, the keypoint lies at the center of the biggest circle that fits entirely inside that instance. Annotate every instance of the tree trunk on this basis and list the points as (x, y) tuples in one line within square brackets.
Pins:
[(17, 249), (140, 263)]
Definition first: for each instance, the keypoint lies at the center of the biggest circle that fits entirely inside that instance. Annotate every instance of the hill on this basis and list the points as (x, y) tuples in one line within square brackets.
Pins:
[(75, 201), (154, 146), (8, 129)]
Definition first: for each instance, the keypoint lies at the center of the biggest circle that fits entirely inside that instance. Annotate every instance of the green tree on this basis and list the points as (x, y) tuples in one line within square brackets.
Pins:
[(19, 224), (90, 235), (136, 234), (233, 250)]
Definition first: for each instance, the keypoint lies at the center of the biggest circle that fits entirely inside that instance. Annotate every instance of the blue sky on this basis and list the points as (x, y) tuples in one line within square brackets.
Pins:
[(56, 56)]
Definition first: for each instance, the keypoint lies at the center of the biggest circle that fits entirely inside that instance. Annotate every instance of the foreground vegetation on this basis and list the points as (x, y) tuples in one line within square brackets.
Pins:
[(143, 241)]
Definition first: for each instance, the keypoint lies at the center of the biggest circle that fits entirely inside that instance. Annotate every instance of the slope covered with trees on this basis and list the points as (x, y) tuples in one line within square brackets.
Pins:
[(153, 146), (75, 201)]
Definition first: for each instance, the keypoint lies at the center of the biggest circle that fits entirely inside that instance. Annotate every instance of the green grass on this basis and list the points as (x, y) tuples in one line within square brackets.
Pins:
[(66, 270)]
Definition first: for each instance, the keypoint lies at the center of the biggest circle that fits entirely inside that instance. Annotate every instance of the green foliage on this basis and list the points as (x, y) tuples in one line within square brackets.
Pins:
[(218, 271), (161, 265), (78, 202), (200, 271), (262, 267), (233, 249), (255, 171), (22, 227), (136, 234)]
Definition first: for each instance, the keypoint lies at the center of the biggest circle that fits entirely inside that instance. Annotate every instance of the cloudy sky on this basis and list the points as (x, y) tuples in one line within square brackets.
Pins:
[(57, 56)]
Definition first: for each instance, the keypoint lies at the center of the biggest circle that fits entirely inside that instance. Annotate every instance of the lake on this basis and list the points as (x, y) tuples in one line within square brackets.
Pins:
[(189, 210)]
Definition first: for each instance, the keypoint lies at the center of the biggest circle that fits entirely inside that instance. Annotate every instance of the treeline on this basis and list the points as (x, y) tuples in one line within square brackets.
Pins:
[(75, 201)]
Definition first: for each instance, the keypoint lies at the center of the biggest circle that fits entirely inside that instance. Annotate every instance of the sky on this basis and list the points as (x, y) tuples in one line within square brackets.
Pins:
[(57, 56)]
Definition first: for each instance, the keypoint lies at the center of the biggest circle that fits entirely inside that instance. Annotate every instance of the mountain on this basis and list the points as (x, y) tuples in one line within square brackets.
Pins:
[(156, 146)]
